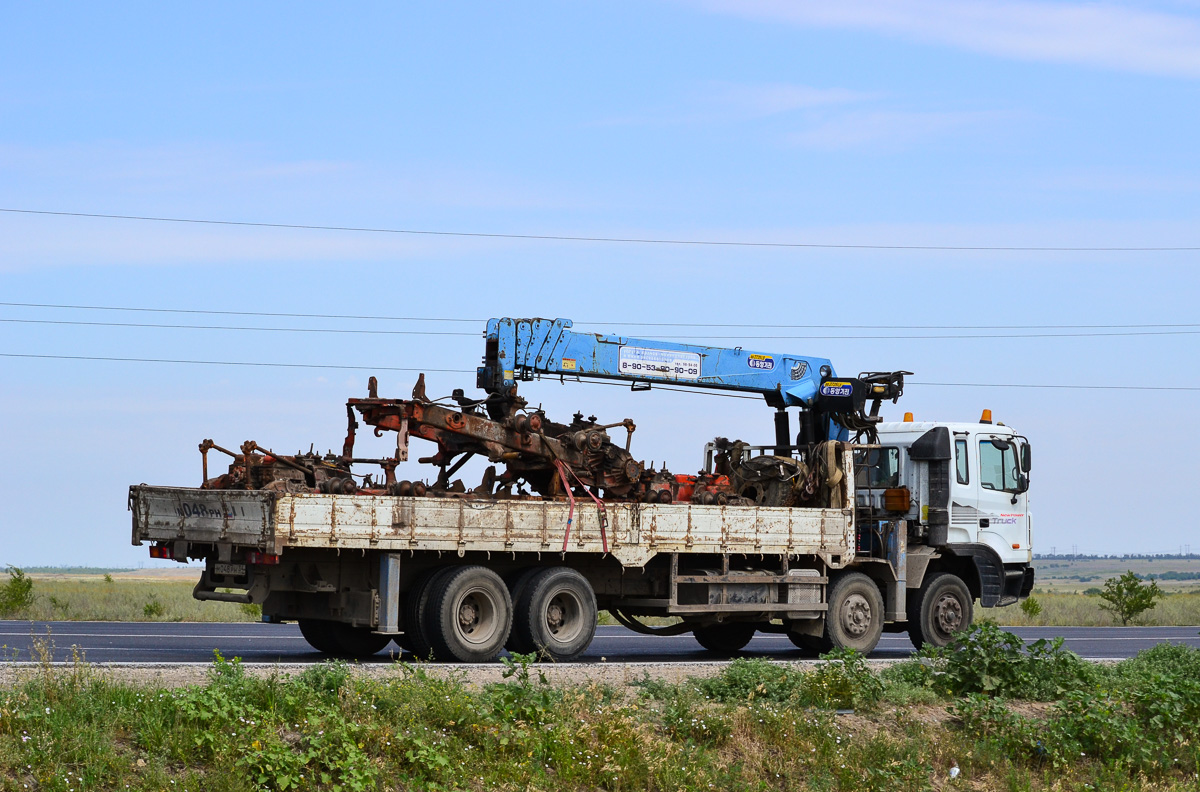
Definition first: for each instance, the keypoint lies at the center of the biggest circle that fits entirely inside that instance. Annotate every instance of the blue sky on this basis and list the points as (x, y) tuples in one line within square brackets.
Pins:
[(862, 122)]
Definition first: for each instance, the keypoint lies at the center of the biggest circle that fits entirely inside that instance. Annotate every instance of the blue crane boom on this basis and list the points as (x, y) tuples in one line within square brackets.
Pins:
[(526, 347), (523, 349)]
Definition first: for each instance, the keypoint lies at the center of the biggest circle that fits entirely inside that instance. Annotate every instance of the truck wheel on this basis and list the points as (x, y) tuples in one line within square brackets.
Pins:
[(342, 640), (518, 641), (943, 606), (357, 643), (855, 616), (318, 635), (555, 614), (416, 632), (724, 639), (809, 645), (468, 615)]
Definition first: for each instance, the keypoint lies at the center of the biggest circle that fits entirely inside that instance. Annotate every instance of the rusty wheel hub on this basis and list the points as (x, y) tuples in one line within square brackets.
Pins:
[(856, 615), (948, 613)]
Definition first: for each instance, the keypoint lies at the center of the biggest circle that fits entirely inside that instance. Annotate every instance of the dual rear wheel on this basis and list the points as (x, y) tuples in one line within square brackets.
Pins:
[(468, 614)]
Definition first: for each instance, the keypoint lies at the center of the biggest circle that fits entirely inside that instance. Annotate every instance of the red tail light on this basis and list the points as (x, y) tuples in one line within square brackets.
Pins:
[(255, 557), (162, 551)]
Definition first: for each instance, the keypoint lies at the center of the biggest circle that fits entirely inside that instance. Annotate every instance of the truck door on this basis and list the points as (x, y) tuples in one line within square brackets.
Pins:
[(1002, 499)]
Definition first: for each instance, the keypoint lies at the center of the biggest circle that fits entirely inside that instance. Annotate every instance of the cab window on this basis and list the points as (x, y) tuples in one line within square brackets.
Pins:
[(877, 468), (960, 461), (998, 469)]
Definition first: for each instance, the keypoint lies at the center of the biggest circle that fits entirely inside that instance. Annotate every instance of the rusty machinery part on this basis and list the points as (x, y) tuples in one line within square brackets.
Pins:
[(814, 481), (525, 442), (526, 449)]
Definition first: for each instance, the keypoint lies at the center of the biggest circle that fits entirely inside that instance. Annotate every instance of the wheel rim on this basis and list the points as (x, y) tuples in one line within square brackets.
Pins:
[(948, 614), (563, 616), (475, 620), (856, 615)]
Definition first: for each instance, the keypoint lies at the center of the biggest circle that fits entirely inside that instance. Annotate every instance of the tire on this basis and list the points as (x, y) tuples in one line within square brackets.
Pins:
[(342, 640), (942, 607), (318, 634), (416, 633), (809, 645), (855, 616), (724, 639), (518, 640), (555, 614), (468, 615)]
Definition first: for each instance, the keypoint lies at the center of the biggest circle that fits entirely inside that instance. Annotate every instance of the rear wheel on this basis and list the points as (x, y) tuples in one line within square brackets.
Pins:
[(416, 632), (724, 639), (519, 641), (809, 645), (943, 606), (555, 614), (342, 640), (855, 616), (468, 615), (318, 635)]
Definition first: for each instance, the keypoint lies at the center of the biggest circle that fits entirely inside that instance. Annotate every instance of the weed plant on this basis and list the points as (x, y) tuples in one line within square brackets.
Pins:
[(754, 726)]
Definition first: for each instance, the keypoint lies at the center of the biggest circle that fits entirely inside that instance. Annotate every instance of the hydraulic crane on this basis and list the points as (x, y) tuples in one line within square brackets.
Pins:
[(831, 406)]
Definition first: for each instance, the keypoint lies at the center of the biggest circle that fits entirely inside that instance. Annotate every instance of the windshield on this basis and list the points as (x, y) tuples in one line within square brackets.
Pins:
[(998, 469)]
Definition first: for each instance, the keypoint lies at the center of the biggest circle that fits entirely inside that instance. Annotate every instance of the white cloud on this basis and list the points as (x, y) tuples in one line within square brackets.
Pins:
[(757, 101), (240, 183), (884, 129), (1094, 34), (727, 102)]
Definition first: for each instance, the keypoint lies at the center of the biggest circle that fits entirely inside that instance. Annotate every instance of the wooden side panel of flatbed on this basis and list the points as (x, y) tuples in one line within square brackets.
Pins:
[(636, 532)]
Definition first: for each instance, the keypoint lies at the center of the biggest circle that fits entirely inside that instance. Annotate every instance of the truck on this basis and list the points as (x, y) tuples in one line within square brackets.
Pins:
[(850, 527)]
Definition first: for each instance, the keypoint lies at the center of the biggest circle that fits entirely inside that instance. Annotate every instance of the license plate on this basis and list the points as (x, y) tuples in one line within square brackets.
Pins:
[(229, 570)]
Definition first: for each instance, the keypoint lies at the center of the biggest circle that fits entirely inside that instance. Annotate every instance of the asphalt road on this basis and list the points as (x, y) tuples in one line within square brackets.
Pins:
[(140, 642)]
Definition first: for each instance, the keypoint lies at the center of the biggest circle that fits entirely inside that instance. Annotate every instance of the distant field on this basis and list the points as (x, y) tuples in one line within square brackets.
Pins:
[(1063, 575), (134, 595)]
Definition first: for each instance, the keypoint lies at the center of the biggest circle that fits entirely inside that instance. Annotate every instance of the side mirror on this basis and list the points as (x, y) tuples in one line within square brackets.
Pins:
[(1026, 458), (1022, 483), (999, 443)]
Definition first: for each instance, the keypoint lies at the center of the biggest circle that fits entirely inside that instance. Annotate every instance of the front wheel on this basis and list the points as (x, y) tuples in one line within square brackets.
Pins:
[(943, 607), (855, 616), (724, 639)]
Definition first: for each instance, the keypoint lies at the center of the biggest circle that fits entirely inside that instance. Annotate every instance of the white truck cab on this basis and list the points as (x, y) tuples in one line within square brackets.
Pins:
[(966, 486)]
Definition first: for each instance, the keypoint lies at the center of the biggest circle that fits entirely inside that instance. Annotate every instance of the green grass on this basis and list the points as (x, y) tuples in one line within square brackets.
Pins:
[(756, 726), (1064, 610), (92, 598)]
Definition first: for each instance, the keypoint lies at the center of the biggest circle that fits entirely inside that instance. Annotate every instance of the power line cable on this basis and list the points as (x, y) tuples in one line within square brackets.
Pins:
[(239, 313), (230, 327), (610, 239), (623, 324), (550, 377), (669, 337), (251, 364)]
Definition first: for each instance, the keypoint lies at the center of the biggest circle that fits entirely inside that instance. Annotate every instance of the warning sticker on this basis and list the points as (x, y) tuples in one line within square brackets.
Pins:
[(659, 363), (568, 364)]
